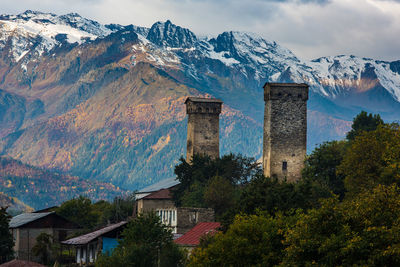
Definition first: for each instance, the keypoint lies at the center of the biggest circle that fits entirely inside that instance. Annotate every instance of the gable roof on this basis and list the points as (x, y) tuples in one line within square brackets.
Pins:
[(160, 194), (84, 239), (166, 183), (192, 238), (25, 218)]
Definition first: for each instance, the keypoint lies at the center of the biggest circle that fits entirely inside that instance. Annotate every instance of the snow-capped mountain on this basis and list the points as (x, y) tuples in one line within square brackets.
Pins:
[(106, 101), (167, 44), (36, 32)]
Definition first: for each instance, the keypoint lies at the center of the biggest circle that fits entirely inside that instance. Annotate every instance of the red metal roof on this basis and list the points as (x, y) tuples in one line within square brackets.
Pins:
[(192, 238), (160, 194)]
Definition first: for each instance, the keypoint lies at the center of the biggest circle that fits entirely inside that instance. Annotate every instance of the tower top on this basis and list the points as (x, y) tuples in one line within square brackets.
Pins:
[(203, 105), (293, 91)]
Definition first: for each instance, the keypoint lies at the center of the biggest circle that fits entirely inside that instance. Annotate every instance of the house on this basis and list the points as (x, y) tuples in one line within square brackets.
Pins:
[(26, 227), (90, 245), (158, 198), (192, 238)]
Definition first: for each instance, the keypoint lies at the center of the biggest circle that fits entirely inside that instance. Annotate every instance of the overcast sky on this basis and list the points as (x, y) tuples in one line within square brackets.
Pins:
[(310, 28)]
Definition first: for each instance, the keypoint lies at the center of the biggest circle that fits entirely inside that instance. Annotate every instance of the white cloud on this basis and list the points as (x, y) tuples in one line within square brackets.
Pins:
[(310, 28)]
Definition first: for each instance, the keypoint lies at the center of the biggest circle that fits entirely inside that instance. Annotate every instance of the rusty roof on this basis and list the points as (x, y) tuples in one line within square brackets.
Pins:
[(84, 239), (192, 238), (160, 194)]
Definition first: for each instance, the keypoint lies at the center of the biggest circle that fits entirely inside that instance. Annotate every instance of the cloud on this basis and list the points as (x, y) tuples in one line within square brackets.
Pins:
[(310, 28)]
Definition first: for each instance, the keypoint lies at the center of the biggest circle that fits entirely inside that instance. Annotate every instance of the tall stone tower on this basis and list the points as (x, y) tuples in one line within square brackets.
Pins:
[(203, 126), (285, 130)]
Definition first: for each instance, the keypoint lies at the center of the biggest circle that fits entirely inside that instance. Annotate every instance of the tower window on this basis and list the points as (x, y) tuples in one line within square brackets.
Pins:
[(284, 166)]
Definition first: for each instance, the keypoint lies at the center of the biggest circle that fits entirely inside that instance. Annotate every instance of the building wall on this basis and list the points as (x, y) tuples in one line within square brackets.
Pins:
[(187, 218), (146, 205), (25, 240), (203, 129), (285, 130)]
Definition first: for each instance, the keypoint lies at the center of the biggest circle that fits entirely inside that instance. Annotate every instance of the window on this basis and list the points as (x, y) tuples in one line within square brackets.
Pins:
[(284, 166)]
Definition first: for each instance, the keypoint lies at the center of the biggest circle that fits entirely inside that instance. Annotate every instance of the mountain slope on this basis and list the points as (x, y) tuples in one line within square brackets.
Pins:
[(40, 188), (105, 102)]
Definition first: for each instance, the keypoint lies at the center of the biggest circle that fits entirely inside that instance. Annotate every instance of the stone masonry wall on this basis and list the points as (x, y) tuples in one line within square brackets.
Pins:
[(285, 130), (203, 128), (189, 217)]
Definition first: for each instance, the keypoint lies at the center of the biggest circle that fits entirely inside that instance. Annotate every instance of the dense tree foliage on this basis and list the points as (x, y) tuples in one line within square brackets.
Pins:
[(321, 167), (6, 239), (216, 183), (251, 240), (91, 215), (145, 242), (373, 158), (364, 122), (270, 195), (362, 231), (80, 211)]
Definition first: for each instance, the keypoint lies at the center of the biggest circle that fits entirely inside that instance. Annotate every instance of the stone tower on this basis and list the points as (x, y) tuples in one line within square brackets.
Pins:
[(203, 126), (285, 130)]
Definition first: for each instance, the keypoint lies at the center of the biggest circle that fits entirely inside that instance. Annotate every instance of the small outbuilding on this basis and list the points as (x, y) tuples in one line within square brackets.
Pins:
[(90, 245)]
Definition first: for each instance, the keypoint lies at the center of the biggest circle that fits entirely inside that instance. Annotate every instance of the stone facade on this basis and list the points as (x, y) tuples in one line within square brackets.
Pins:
[(285, 130), (203, 127), (189, 217)]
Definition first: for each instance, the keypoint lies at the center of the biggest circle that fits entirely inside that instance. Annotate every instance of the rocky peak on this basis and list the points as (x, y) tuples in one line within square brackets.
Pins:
[(170, 35)]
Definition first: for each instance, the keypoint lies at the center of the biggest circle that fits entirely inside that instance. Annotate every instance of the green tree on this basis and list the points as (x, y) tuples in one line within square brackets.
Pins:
[(145, 242), (373, 158), (119, 210), (6, 239), (321, 167), (80, 210), (364, 122), (195, 176), (44, 248), (252, 240), (219, 194), (363, 231), (270, 195)]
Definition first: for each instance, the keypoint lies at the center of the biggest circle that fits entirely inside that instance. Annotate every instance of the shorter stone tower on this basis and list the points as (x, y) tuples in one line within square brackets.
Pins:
[(203, 126), (285, 130)]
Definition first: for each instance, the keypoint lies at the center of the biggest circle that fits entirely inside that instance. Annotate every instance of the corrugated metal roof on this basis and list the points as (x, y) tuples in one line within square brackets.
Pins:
[(166, 183), (25, 218), (192, 238), (84, 239), (203, 100)]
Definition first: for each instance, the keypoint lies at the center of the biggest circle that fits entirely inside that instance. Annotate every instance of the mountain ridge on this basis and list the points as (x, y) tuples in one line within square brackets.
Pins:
[(110, 106)]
